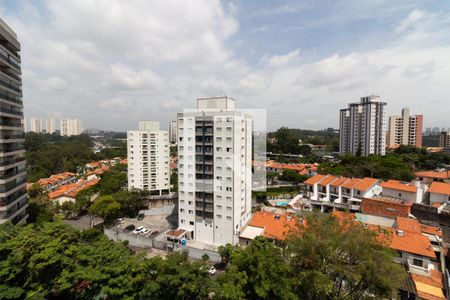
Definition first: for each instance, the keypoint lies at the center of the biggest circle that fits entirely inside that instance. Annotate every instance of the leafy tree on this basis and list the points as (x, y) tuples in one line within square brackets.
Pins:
[(293, 176), (231, 284), (205, 257), (264, 264), (226, 252), (106, 207), (40, 209), (113, 181), (333, 260)]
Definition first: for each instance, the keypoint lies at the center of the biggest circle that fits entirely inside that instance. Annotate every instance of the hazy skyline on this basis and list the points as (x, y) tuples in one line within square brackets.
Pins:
[(112, 63)]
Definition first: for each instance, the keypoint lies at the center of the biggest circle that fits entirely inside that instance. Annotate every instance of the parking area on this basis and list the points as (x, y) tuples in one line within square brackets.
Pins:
[(154, 225)]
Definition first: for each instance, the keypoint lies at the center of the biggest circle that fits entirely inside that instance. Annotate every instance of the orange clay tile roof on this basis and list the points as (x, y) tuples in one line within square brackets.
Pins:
[(431, 230), (434, 280), (124, 161), (365, 184), (398, 185), (55, 178), (407, 224), (440, 188), (274, 228), (351, 183), (296, 167), (315, 179), (340, 181), (327, 180), (413, 225), (71, 190), (434, 174), (411, 242)]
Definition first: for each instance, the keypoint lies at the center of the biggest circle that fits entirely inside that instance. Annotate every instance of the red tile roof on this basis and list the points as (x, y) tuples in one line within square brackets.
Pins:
[(386, 207), (434, 174), (340, 181), (71, 190), (315, 179), (351, 183), (434, 280), (275, 226), (400, 186), (365, 184), (411, 241), (327, 180), (440, 188)]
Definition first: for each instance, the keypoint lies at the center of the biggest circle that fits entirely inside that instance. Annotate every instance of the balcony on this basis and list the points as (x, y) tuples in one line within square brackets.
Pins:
[(9, 58), (418, 269), (4, 96)]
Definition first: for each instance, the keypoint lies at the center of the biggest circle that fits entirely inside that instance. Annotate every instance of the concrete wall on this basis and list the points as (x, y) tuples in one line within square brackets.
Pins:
[(439, 198), (145, 242), (156, 211)]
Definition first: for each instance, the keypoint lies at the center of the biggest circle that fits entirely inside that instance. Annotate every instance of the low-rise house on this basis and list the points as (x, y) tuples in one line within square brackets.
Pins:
[(408, 191), (302, 169), (411, 240), (55, 181), (70, 192), (439, 193), (429, 177), (270, 225), (328, 193), (385, 206)]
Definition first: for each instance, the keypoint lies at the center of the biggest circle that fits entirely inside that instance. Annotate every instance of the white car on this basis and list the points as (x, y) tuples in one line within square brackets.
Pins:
[(144, 231), (212, 270), (138, 230)]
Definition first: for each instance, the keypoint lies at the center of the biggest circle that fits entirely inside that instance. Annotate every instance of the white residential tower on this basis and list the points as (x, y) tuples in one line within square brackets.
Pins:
[(214, 171), (148, 158)]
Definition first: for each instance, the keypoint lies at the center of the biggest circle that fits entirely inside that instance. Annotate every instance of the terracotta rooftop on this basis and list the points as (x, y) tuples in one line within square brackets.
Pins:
[(440, 188), (365, 184), (340, 181), (435, 279), (275, 226), (328, 180), (434, 174), (411, 241), (400, 186), (315, 179), (72, 190), (351, 183)]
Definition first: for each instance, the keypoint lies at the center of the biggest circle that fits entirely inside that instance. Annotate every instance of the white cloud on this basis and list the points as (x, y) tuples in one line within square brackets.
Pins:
[(115, 62), (283, 60)]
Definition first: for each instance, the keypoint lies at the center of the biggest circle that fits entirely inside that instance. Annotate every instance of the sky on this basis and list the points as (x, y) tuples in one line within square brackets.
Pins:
[(112, 63)]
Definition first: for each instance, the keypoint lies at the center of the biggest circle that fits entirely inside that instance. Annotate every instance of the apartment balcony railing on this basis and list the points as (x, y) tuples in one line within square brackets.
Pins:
[(9, 59), (11, 111), (5, 201), (8, 162), (10, 84), (9, 98)]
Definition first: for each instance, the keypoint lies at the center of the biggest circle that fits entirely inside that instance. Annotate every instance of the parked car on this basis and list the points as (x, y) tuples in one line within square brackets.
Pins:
[(117, 222), (141, 217), (212, 270), (138, 230), (129, 228), (144, 231)]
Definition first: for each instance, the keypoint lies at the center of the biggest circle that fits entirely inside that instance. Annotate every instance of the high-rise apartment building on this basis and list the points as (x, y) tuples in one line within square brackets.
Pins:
[(50, 126), (444, 139), (214, 171), (36, 125), (173, 131), (69, 127), (405, 129), (13, 196), (363, 127), (148, 158)]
